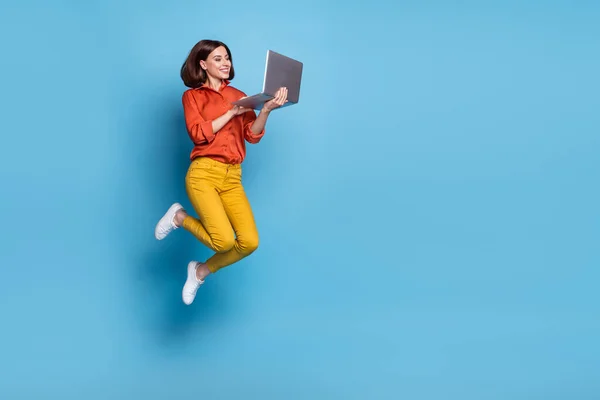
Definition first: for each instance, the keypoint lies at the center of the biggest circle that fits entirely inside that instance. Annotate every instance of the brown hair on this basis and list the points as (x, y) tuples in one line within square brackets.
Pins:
[(192, 74)]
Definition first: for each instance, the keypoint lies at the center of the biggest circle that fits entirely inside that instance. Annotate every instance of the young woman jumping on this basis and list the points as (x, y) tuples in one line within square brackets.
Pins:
[(218, 130)]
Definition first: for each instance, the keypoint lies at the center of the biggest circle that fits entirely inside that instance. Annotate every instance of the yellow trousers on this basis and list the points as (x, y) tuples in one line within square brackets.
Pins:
[(225, 222)]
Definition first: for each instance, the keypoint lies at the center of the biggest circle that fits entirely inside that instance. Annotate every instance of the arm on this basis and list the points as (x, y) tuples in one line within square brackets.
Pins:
[(259, 123), (200, 130), (221, 121), (254, 127)]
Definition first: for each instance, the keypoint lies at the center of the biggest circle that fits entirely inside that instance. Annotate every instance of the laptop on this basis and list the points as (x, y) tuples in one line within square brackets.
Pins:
[(280, 71)]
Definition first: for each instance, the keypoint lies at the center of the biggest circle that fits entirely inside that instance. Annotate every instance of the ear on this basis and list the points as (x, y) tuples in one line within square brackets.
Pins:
[(203, 64)]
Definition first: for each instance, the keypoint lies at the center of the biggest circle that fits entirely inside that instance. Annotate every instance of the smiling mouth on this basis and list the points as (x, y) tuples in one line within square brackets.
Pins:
[(225, 70)]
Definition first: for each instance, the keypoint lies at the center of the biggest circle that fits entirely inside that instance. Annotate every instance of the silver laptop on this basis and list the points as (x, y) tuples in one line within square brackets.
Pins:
[(280, 71)]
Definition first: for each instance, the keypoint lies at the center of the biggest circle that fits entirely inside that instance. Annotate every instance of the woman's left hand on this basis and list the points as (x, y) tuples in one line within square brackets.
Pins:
[(279, 100)]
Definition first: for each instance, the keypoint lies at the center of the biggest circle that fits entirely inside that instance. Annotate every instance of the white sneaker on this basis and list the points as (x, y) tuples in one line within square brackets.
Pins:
[(167, 223), (188, 294)]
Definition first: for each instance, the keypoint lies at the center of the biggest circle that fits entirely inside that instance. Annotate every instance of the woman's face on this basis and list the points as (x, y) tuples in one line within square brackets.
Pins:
[(217, 64)]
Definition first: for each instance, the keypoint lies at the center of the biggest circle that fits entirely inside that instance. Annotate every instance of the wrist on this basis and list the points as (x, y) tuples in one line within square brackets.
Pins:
[(229, 113)]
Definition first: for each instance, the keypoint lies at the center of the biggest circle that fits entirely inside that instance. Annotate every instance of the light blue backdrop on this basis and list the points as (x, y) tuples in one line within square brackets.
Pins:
[(429, 213)]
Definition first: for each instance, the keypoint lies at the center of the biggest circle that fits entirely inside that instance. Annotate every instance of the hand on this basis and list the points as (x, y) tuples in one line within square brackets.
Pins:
[(238, 110), (279, 100)]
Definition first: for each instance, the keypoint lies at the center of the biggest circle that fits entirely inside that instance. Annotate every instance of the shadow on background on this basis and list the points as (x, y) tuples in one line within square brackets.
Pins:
[(160, 267)]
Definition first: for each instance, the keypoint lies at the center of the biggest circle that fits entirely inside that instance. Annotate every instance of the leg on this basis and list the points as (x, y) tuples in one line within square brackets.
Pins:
[(204, 181), (239, 213), (212, 227)]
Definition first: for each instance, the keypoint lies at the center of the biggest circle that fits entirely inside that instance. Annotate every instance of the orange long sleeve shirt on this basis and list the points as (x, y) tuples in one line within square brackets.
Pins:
[(201, 106)]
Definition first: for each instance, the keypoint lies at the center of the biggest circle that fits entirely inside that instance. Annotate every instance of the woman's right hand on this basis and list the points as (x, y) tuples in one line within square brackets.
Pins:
[(238, 110)]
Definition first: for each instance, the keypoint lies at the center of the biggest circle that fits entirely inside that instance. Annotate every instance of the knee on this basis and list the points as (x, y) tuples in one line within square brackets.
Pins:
[(223, 243), (248, 244)]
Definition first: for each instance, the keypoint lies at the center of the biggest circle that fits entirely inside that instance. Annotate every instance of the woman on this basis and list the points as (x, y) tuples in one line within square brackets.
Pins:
[(219, 131)]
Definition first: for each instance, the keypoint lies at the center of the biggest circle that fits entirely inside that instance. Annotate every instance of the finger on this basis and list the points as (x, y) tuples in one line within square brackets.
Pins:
[(281, 96), (285, 95)]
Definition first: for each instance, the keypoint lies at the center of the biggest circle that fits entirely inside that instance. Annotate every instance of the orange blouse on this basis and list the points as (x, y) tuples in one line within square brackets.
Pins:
[(202, 105)]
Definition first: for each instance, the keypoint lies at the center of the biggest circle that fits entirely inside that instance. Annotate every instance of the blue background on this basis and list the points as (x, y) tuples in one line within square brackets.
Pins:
[(429, 213)]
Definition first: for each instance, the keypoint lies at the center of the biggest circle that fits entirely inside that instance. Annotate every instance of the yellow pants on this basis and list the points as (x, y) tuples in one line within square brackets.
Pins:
[(218, 197)]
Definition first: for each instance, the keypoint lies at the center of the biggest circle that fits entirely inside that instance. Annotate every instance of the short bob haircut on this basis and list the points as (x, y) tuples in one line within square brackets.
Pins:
[(192, 74)]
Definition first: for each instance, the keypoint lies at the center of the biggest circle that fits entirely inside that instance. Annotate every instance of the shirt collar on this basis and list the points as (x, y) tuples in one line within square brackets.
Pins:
[(224, 84)]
